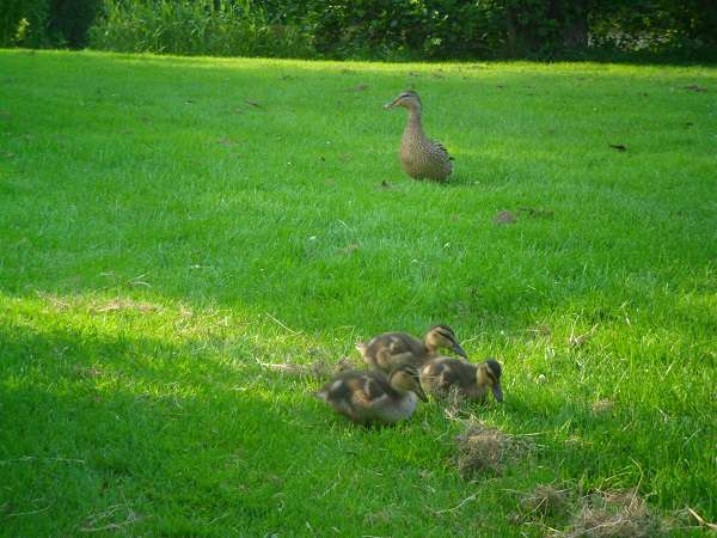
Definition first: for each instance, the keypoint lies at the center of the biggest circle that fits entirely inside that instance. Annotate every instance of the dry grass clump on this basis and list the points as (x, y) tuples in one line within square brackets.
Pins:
[(601, 514), (614, 514), (546, 501), (484, 449), (122, 305), (455, 404), (320, 368), (603, 406)]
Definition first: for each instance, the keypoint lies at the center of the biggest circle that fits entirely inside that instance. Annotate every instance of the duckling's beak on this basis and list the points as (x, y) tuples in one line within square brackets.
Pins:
[(498, 393), (459, 350), (419, 392)]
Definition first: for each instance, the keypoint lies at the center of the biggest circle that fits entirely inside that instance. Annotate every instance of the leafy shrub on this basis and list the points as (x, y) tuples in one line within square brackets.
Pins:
[(206, 27), (681, 30), (23, 22), (46, 23), (371, 29), (430, 29)]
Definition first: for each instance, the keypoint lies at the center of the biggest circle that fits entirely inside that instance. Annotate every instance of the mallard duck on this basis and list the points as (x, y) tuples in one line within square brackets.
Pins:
[(389, 350), (371, 397), (421, 157), (471, 381)]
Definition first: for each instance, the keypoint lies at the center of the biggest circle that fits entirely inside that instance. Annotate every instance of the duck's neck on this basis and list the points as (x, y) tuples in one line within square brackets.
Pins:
[(414, 120)]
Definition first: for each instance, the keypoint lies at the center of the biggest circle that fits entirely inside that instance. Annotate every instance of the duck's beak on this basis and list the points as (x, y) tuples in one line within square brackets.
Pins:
[(419, 392), (498, 393), (391, 104), (459, 350)]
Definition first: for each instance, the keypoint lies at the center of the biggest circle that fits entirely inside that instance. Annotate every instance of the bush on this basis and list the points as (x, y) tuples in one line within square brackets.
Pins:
[(372, 29), (204, 27), (656, 28), (23, 23), (46, 23), (409, 29)]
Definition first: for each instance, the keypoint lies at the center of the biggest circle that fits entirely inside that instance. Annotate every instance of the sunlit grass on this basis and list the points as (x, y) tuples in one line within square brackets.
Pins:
[(170, 226)]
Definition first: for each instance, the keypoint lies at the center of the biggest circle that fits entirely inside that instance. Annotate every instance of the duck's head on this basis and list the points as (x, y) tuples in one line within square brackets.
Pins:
[(408, 99), (443, 337), (488, 375), (405, 378)]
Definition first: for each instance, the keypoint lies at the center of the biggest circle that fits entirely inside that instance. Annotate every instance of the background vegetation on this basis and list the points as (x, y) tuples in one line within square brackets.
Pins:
[(171, 225), (373, 29)]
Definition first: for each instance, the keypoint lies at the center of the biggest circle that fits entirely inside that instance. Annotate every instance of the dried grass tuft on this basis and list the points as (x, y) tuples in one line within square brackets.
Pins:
[(455, 403), (320, 369), (613, 514), (122, 305), (603, 406), (482, 449), (601, 514), (546, 501), (617, 514)]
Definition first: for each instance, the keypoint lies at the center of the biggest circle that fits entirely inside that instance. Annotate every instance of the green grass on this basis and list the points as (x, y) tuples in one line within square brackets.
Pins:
[(168, 224)]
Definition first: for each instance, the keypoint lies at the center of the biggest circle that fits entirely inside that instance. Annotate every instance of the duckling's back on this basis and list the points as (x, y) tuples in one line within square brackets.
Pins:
[(367, 398), (390, 350), (441, 374)]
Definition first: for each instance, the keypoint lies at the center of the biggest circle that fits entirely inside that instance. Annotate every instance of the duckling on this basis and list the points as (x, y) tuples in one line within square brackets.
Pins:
[(421, 157), (371, 397), (389, 350), (441, 374)]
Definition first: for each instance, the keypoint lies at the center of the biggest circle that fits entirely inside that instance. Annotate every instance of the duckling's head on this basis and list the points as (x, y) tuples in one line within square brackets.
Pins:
[(405, 378), (488, 375), (408, 99), (443, 337)]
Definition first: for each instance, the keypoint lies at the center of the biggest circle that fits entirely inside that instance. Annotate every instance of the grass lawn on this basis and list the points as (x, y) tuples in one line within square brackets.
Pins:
[(168, 227)]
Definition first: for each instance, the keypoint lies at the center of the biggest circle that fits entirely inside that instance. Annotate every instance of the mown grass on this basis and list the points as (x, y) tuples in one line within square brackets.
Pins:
[(169, 225)]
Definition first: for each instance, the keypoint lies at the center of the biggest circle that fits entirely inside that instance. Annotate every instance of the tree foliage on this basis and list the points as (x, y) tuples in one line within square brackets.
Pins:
[(375, 29), (47, 23), (197, 27)]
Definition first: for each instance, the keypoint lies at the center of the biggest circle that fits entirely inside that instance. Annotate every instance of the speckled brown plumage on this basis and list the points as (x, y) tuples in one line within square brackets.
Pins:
[(421, 157), (472, 381), (392, 349), (372, 397)]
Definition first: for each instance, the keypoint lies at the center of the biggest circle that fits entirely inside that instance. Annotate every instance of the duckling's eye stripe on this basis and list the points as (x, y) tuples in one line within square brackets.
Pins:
[(446, 333)]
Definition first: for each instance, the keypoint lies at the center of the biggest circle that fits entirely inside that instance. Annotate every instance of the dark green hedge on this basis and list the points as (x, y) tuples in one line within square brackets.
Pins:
[(47, 23), (372, 29)]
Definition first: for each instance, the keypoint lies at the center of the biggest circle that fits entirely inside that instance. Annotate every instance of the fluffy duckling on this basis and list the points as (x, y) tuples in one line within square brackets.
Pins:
[(472, 381), (389, 350), (421, 157), (371, 397)]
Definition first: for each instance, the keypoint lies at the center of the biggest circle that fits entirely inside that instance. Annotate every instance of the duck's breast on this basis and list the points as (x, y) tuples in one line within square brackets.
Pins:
[(392, 410)]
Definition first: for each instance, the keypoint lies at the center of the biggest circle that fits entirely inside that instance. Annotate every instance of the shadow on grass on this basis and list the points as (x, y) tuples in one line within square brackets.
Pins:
[(617, 444), (137, 436)]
